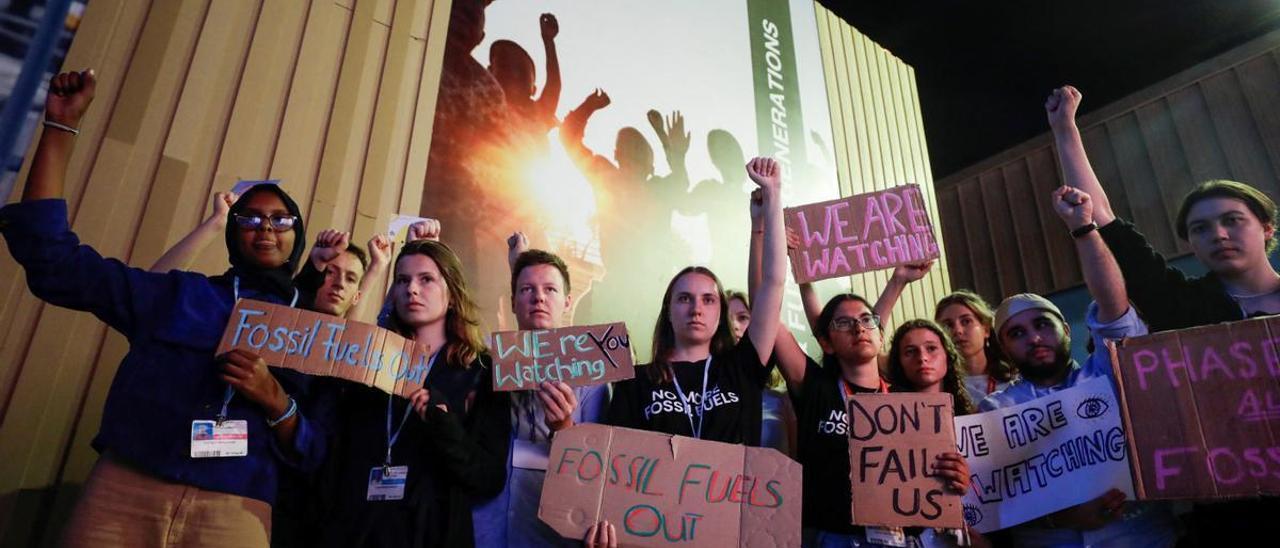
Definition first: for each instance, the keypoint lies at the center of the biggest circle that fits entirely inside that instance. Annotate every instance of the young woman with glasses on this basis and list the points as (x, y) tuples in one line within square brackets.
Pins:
[(848, 329)]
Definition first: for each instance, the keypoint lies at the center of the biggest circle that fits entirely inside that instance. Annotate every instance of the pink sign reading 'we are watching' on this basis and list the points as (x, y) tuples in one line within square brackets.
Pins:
[(861, 233)]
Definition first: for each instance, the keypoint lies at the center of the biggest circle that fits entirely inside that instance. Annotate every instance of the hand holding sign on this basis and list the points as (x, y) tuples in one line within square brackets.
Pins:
[(420, 399), (601, 535), (559, 401), (914, 272), (401, 228), (954, 470), (247, 373)]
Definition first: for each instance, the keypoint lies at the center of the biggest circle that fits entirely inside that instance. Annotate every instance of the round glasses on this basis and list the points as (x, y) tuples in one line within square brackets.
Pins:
[(868, 322)]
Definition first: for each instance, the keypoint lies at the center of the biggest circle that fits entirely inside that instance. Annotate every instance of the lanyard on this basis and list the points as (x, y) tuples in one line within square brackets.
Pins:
[(688, 409), (235, 289), (991, 384), (845, 391), (392, 437), (226, 398)]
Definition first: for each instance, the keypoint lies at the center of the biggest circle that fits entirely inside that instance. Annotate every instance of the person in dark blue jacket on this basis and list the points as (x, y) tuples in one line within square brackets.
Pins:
[(191, 445)]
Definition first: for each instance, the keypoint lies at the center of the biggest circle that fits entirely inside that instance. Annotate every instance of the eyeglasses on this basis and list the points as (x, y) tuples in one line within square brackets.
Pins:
[(278, 223), (868, 322)]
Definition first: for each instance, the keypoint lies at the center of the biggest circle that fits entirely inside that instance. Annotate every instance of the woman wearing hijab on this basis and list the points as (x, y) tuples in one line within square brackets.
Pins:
[(160, 480)]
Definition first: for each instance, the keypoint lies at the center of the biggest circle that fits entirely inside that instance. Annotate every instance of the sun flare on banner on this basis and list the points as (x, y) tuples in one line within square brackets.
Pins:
[(565, 202)]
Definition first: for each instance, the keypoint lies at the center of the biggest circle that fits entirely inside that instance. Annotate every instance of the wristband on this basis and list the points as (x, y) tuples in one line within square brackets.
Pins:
[(1084, 230), (63, 127), (291, 411)]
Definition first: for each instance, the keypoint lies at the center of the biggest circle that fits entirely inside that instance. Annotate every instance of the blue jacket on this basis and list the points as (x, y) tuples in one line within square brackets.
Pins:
[(169, 378)]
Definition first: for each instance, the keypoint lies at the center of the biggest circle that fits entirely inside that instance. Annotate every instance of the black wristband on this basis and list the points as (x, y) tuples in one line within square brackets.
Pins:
[(1084, 230)]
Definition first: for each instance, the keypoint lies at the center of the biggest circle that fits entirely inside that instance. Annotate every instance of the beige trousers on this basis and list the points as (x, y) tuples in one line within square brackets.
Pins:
[(121, 506)]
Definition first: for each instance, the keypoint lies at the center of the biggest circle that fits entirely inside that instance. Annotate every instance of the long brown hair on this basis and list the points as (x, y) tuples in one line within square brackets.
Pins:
[(952, 381), (664, 334), (462, 327), (997, 367)]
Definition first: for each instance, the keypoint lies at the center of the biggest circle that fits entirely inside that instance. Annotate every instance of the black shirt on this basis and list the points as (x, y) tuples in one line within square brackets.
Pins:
[(455, 458), (823, 439), (729, 411)]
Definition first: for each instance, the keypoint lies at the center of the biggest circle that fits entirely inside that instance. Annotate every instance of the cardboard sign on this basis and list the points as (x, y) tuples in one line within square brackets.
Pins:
[(893, 442), (578, 356), (1039, 457), (861, 233), (324, 345), (659, 489), (1202, 410), (242, 185)]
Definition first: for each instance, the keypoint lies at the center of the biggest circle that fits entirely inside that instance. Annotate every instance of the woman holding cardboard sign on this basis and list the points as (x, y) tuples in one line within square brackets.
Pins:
[(178, 428), (700, 383), (405, 472), (848, 328)]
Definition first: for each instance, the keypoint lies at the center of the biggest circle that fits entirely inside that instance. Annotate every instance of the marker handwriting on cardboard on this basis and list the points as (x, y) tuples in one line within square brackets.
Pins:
[(861, 233), (894, 440), (661, 489), (577, 355)]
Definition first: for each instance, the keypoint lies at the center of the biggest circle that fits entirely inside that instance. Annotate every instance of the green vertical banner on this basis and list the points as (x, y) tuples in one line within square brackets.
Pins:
[(779, 122)]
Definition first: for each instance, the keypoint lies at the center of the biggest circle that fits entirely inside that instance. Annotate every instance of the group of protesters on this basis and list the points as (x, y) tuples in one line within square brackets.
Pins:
[(333, 463)]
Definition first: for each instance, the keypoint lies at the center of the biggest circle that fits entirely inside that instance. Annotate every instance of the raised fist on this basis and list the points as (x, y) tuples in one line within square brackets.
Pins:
[(69, 96)]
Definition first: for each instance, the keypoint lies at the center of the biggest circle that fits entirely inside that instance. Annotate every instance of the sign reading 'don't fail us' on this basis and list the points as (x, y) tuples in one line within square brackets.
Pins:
[(577, 355), (325, 345), (861, 233), (894, 440), (658, 489)]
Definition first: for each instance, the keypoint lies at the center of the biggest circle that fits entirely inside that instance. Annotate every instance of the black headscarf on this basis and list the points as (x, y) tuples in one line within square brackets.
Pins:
[(277, 281)]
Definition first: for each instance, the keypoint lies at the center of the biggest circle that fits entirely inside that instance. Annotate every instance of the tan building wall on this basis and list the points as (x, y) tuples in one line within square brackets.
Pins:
[(335, 99), (879, 143)]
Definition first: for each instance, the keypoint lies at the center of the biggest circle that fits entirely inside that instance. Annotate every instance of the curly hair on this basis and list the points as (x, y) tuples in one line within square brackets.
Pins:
[(952, 381)]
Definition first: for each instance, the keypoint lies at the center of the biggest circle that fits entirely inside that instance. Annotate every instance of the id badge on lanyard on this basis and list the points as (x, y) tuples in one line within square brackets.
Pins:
[(222, 437), (388, 482)]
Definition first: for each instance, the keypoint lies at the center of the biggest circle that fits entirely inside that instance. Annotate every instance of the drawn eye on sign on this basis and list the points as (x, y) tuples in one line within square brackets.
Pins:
[(1092, 408), (972, 515)]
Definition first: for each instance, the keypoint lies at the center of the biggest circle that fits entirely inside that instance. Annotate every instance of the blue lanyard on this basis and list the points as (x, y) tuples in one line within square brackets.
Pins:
[(226, 398), (688, 409), (392, 437), (235, 292)]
